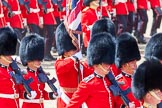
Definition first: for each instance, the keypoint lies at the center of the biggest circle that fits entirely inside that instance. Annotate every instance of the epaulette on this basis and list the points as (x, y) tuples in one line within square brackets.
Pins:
[(118, 76), (127, 75), (85, 9), (88, 78)]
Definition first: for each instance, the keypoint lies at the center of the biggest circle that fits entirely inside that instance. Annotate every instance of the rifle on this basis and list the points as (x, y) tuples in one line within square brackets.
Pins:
[(18, 77), (5, 4), (58, 3), (116, 90), (43, 3), (26, 4), (42, 76)]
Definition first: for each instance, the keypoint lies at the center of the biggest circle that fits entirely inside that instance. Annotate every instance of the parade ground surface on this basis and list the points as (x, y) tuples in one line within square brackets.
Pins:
[(49, 66)]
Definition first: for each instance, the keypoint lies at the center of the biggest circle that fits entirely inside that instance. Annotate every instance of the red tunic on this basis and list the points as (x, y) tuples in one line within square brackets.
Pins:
[(16, 20), (94, 91), (116, 71), (89, 16), (2, 17), (142, 4), (33, 16), (130, 6), (8, 86), (49, 18), (121, 9), (127, 84), (56, 11), (154, 3), (68, 76), (37, 86)]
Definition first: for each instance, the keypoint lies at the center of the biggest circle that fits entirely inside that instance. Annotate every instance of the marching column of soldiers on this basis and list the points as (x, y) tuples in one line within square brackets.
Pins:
[(107, 77)]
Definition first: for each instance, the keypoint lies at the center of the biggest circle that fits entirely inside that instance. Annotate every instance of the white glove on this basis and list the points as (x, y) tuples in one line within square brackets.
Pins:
[(58, 92), (33, 95), (78, 55), (89, 27)]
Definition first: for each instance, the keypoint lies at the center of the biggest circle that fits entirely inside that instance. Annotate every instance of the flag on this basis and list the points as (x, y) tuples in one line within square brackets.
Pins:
[(73, 14)]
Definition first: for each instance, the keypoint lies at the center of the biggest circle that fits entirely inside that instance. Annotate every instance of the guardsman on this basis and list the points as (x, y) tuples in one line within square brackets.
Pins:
[(32, 16), (49, 24), (16, 20), (70, 70), (9, 92), (90, 14), (105, 25), (157, 16), (142, 7), (121, 15), (94, 90), (144, 89), (126, 57), (31, 54), (131, 10)]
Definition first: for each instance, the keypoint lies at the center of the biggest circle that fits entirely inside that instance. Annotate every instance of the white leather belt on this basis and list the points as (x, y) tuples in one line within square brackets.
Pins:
[(50, 10), (17, 12), (1, 15), (11, 96), (34, 100), (66, 99), (122, 1), (32, 10)]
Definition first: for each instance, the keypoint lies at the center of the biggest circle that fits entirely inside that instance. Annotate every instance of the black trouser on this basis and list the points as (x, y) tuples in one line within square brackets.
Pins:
[(20, 34), (122, 23), (157, 16), (48, 33), (130, 22), (34, 28), (142, 21), (57, 21)]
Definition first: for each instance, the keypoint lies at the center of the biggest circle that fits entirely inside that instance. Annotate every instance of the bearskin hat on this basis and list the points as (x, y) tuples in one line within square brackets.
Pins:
[(8, 41), (154, 47), (87, 2), (103, 25), (101, 49), (31, 48), (147, 77), (63, 40), (126, 49)]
